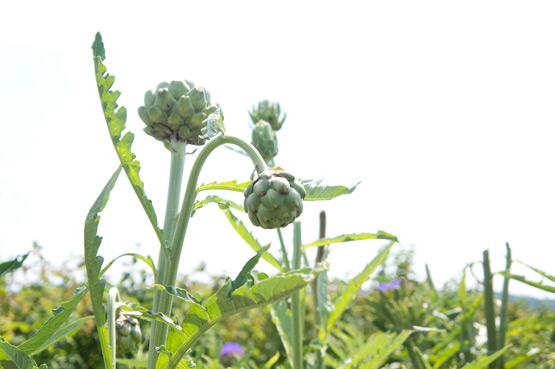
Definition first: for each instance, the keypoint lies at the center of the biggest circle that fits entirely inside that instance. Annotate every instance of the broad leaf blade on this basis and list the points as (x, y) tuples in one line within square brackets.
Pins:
[(538, 285), (345, 296), (380, 235), (180, 293), (281, 316), (115, 119), (12, 355), (378, 348), (484, 362), (221, 305), (43, 336), (317, 192)]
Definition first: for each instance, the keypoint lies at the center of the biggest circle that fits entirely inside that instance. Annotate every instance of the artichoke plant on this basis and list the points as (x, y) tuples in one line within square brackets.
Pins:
[(265, 140), (269, 112), (178, 110), (128, 334), (274, 199)]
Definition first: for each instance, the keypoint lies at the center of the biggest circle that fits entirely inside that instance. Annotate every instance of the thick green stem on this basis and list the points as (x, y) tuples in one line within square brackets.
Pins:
[(113, 295), (177, 237), (319, 258), (159, 330), (503, 314), (489, 308), (296, 308)]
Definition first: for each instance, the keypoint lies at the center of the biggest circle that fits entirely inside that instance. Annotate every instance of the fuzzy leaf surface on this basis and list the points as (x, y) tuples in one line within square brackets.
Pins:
[(318, 192), (12, 357)]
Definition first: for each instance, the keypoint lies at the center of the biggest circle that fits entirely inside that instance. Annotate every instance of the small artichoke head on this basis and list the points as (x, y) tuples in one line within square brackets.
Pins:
[(178, 110), (274, 199), (265, 140), (128, 334), (270, 112)]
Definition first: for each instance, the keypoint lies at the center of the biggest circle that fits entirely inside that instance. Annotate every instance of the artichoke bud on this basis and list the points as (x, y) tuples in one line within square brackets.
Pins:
[(165, 100), (269, 112), (143, 114), (274, 199), (178, 89), (175, 121), (128, 334), (184, 107), (157, 115), (198, 98), (177, 109), (265, 140)]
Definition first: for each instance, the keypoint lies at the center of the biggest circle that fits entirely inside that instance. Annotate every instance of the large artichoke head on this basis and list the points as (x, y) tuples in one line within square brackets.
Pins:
[(265, 140), (270, 112), (274, 199), (178, 110)]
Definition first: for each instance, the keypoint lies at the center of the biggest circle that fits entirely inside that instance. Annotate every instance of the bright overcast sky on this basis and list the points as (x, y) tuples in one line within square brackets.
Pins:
[(444, 111)]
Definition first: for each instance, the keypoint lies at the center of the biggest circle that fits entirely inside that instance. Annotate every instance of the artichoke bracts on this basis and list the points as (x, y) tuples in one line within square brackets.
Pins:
[(274, 199), (128, 334), (178, 110), (265, 140), (269, 112)]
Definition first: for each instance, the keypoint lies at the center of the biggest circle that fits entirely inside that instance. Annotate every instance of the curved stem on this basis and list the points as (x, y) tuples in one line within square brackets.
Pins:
[(159, 330), (178, 235)]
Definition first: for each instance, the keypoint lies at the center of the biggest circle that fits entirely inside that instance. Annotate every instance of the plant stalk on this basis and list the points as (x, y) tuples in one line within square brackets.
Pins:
[(283, 250), (319, 258), (503, 314), (159, 330), (111, 308), (296, 309), (177, 237), (489, 308)]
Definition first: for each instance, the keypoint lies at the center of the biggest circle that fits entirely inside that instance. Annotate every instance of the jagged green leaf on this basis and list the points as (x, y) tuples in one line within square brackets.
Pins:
[(12, 357), (380, 235), (245, 273), (93, 264), (222, 203), (348, 293), (540, 272), (43, 337), (378, 348), (221, 305), (318, 192), (248, 237), (151, 315), (484, 362), (229, 186), (147, 259), (115, 119), (12, 265), (180, 293), (538, 285)]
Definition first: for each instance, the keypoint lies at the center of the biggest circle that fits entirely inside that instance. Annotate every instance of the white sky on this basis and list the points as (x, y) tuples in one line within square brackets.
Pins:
[(444, 111)]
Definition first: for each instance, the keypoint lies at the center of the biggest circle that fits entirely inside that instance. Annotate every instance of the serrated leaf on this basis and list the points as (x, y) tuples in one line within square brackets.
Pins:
[(380, 235), (318, 192), (542, 273), (221, 306), (538, 285), (115, 119), (346, 295), (11, 355), (11, 265), (151, 315), (248, 237), (281, 317), (147, 259), (222, 203), (245, 272), (43, 337), (229, 186), (179, 293), (93, 264)]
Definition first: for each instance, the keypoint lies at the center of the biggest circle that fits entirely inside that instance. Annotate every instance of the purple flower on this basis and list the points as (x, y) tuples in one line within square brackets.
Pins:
[(384, 287), (230, 348)]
